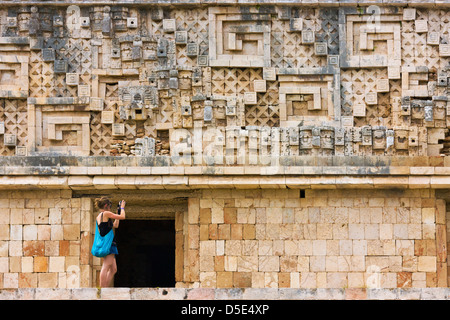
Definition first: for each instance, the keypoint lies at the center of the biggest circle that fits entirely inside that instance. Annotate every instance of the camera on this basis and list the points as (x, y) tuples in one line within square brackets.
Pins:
[(118, 208)]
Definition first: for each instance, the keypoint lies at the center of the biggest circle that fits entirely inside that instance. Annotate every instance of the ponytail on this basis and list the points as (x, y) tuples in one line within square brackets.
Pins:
[(100, 203)]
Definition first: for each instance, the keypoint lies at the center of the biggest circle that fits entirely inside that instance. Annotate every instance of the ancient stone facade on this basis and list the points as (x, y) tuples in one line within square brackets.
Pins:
[(294, 146)]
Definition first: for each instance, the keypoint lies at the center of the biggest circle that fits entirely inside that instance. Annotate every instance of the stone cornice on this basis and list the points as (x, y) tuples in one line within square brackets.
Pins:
[(173, 161), (78, 173), (426, 3), (225, 294)]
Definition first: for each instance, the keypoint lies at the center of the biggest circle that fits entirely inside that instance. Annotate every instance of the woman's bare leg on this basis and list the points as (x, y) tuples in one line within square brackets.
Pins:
[(112, 270), (109, 268)]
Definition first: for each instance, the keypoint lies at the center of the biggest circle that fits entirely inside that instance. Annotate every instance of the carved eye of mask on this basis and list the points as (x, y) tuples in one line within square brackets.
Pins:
[(305, 136), (378, 134)]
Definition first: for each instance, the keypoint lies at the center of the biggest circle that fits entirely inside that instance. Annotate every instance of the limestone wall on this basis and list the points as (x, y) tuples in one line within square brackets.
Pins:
[(259, 238), (328, 239), (44, 240), (315, 136)]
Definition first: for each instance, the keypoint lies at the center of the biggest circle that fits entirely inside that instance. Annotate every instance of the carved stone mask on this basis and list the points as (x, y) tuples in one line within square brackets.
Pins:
[(126, 52), (379, 139), (305, 139), (339, 137), (401, 139), (417, 111), (327, 139), (24, 21)]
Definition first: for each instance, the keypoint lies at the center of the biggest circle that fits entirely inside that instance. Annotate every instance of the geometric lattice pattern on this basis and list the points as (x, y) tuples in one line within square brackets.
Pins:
[(368, 80)]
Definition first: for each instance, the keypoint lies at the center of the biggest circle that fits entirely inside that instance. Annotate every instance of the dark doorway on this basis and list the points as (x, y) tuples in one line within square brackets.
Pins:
[(146, 253)]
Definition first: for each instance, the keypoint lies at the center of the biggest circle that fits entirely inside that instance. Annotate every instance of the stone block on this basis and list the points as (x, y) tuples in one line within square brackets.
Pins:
[(320, 48), (84, 90), (96, 104), (269, 74), (48, 55), (269, 264), (84, 294), (382, 85), (250, 98), (115, 294), (409, 14), (426, 264), (132, 23), (40, 264), (9, 140), (433, 38), (371, 98), (60, 66), (71, 232), (421, 26), (359, 110), (308, 37), (181, 37), (107, 117), (56, 264), (192, 49), (296, 24), (444, 50), (259, 85), (72, 79), (169, 25)]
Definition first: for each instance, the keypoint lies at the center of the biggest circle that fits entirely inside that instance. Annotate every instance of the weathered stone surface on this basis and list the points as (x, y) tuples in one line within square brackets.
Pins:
[(256, 47), (230, 294), (314, 140)]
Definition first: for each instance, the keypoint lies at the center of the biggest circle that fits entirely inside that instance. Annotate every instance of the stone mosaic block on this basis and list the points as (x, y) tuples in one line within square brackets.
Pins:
[(409, 14), (132, 23), (320, 48), (9, 140), (85, 22), (118, 129), (96, 104), (208, 113), (107, 117), (72, 79), (181, 37), (169, 25), (21, 151), (84, 90), (259, 85), (48, 55), (421, 26), (308, 37), (383, 85), (296, 24), (371, 98), (359, 110), (250, 98)]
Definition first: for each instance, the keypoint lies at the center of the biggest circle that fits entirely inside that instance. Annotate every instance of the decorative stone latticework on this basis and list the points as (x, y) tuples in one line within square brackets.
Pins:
[(90, 80)]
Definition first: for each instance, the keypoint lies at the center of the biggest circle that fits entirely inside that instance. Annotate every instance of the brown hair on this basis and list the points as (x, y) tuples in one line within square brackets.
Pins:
[(100, 203)]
